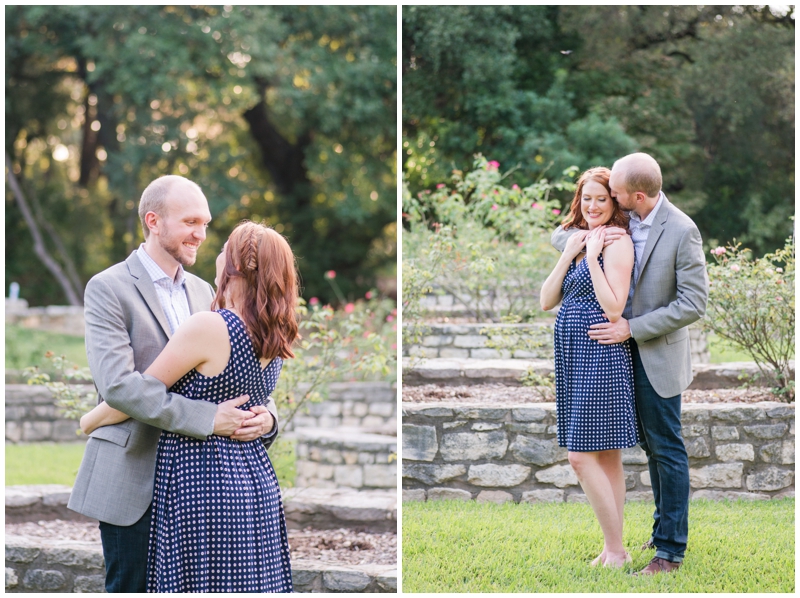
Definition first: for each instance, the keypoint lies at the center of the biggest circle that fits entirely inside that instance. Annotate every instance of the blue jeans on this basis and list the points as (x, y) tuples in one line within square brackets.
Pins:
[(125, 553), (660, 434)]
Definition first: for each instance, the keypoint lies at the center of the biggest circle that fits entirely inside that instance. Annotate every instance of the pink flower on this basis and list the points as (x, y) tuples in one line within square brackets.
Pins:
[(778, 269), (496, 192), (330, 274), (735, 268), (313, 301), (519, 244), (366, 334), (349, 308), (440, 186), (536, 206), (718, 251), (556, 211), (515, 186), (493, 165), (368, 294), (394, 346), (389, 318), (494, 206), (778, 298)]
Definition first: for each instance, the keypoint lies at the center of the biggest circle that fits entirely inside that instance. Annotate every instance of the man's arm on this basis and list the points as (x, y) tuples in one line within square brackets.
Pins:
[(111, 360), (692, 294)]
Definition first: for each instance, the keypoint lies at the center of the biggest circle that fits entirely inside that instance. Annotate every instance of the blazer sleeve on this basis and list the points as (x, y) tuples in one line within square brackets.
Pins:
[(560, 237), (691, 298), (111, 360)]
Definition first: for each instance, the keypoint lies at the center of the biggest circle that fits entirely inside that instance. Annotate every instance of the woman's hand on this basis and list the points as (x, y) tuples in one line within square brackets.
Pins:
[(576, 244), (595, 242)]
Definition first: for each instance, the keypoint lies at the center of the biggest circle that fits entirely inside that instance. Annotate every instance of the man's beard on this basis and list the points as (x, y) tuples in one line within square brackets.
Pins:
[(173, 247)]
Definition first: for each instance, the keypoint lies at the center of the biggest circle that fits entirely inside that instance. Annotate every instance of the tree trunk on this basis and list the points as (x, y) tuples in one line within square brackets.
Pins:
[(39, 248)]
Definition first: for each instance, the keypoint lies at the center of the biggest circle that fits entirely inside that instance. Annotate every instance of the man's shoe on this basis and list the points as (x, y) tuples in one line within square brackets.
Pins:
[(659, 565), (647, 545)]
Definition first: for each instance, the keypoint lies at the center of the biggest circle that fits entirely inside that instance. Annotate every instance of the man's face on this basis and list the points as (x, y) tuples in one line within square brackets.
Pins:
[(627, 201), (183, 228)]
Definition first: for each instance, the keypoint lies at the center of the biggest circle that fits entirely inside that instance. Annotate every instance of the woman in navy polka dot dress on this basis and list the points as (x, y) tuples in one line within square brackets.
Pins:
[(594, 383), (218, 523)]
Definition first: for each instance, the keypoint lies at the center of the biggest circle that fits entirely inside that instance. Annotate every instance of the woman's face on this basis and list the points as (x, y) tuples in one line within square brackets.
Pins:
[(596, 204), (220, 265)]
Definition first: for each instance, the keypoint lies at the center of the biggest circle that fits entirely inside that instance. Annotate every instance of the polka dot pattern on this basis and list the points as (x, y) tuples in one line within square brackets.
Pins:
[(218, 523), (594, 383)]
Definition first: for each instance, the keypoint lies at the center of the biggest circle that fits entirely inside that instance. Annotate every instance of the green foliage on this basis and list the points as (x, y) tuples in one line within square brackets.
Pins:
[(73, 400), (707, 90), (486, 244), (448, 546), (279, 113), (26, 347), (751, 303), (545, 386)]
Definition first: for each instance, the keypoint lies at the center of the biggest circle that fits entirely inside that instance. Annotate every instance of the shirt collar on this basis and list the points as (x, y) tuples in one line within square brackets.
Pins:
[(155, 271), (652, 215)]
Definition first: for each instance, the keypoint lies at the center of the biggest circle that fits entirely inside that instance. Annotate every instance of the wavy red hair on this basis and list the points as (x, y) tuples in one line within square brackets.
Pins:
[(575, 219), (263, 263)]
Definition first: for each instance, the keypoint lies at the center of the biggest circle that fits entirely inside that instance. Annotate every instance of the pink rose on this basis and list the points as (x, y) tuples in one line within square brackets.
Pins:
[(735, 268), (515, 186), (556, 211), (440, 185), (389, 318), (494, 206), (313, 301), (519, 244), (330, 274), (493, 165), (536, 206), (718, 251), (368, 294), (348, 309)]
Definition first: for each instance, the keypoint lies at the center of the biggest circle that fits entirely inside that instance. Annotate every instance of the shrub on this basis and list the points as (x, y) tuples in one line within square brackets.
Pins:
[(751, 304), (486, 244)]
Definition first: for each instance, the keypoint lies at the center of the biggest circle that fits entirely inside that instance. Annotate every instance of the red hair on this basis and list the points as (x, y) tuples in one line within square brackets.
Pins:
[(575, 219), (264, 263)]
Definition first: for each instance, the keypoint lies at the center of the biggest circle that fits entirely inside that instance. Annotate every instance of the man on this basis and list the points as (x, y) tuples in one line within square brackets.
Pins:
[(132, 309), (669, 292)]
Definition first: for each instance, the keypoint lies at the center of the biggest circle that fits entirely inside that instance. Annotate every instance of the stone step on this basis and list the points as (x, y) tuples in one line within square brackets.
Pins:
[(37, 565), (334, 508), (463, 372), (345, 457), (319, 508)]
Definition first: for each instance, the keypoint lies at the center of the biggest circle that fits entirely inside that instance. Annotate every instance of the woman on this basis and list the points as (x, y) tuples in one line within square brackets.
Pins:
[(594, 383), (218, 522)]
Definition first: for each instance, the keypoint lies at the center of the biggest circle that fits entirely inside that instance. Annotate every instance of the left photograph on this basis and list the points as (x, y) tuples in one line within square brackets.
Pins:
[(201, 299)]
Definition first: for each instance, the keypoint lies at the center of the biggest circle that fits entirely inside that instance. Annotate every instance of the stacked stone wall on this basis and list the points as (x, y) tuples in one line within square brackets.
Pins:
[(462, 341), (64, 319), (345, 458), (510, 453)]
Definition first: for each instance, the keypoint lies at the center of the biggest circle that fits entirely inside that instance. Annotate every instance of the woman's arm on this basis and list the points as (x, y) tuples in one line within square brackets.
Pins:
[(612, 285), (102, 415), (550, 294)]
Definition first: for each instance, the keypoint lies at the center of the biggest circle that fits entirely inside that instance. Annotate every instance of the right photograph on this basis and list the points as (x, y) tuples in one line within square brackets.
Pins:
[(598, 299)]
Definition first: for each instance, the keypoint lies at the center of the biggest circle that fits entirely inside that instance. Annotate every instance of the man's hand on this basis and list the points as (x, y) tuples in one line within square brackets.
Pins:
[(612, 234), (610, 333), (229, 418), (255, 427)]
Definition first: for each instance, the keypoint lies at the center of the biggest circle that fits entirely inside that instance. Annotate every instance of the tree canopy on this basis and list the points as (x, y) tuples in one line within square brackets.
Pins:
[(707, 90), (280, 113)]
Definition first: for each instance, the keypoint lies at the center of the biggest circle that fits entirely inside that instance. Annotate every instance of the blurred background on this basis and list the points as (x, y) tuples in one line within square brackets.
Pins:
[(282, 114), (707, 90)]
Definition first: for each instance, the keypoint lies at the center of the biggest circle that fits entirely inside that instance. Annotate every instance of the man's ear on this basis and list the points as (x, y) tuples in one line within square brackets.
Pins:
[(151, 220)]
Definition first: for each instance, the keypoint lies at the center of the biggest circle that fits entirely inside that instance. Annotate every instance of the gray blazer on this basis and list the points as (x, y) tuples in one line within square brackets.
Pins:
[(671, 293), (126, 329)]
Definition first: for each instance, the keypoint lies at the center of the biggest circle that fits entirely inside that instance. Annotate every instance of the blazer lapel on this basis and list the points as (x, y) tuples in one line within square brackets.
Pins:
[(654, 234), (145, 286)]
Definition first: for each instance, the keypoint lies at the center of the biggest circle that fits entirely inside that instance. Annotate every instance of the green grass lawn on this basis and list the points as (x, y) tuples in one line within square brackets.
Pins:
[(471, 547), (57, 463), (26, 347)]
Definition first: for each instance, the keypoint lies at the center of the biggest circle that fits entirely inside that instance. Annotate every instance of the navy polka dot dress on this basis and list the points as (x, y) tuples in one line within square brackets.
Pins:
[(218, 522), (594, 383)]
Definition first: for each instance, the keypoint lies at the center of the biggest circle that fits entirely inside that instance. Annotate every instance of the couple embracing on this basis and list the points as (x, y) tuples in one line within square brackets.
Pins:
[(631, 278), (176, 468)]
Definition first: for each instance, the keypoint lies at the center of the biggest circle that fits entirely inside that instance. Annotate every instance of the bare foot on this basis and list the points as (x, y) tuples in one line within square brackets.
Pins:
[(616, 560), (601, 559)]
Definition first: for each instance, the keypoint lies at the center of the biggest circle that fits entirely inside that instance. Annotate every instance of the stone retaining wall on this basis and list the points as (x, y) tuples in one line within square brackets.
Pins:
[(510, 453), (461, 341), (77, 567), (345, 458), (64, 319), (31, 415)]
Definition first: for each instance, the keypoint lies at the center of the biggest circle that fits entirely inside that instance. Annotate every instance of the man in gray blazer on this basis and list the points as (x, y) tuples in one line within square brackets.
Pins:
[(669, 291), (132, 309)]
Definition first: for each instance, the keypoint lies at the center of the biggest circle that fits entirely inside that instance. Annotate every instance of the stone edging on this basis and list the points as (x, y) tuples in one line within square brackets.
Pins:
[(503, 453)]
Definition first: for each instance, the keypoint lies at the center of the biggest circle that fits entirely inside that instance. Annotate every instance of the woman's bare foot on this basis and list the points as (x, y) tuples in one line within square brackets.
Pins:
[(617, 560), (601, 559)]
